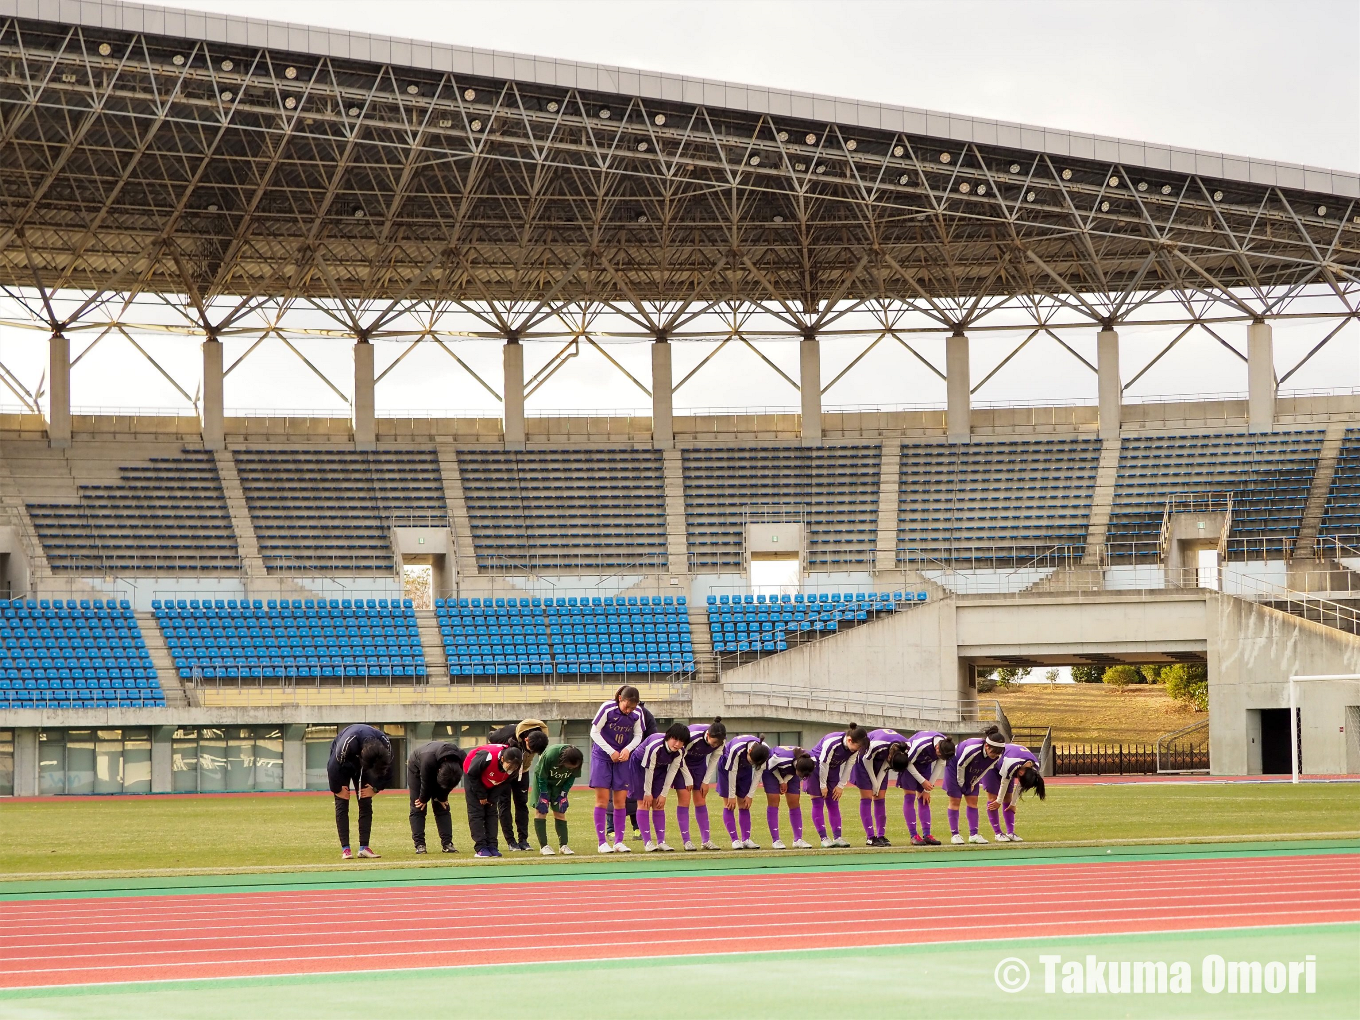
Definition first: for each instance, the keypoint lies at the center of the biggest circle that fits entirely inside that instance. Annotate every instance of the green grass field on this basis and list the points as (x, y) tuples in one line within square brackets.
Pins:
[(194, 835)]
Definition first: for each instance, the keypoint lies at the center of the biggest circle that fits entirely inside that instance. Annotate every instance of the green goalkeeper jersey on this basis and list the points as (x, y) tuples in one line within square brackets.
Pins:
[(550, 776)]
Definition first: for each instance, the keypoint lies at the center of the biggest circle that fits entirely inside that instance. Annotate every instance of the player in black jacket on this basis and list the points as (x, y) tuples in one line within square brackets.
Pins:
[(361, 758), (432, 772)]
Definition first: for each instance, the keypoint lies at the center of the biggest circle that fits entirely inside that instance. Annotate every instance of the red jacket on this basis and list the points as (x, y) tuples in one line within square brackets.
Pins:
[(482, 767)]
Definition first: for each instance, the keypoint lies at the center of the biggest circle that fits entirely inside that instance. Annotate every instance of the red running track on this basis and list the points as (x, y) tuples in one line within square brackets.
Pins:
[(78, 941)]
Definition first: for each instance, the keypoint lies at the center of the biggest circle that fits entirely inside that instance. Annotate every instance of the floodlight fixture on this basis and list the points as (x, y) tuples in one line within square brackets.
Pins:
[(290, 73), (552, 106), (810, 138), (411, 90), (945, 157), (899, 150), (469, 94), (105, 49), (227, 65), (177, 60), (1218, 196), (1067, 175), (1015, 168), (1166, 189), (852, 145)]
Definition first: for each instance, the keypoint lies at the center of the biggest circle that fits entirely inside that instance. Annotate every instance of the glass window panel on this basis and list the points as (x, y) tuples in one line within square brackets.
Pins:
[(137, 763), (6, 763), (240, 761), (318, 752), (108, 764), (212, 761), (80, 762), (268, 759), (51, 763), (184, 764)]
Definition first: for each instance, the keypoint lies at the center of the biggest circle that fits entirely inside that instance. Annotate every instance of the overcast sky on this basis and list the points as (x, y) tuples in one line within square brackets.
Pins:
[(1276, 80)]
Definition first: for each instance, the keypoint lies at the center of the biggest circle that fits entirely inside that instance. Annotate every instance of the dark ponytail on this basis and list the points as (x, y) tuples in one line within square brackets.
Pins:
[(758, 753), (627, 692), (898, 758), (857, 734), (1030, 779), (717, 729), (803, 763), (945, 748)]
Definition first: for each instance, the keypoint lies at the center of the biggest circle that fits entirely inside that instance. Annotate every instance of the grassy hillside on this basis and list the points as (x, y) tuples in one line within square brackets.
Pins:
[(1081, 713)]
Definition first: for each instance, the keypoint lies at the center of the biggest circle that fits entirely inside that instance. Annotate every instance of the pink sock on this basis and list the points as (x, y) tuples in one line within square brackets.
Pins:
[(954, 820), (682, 820), (972, 821), (994, 816), (909, 811), (701, 816), (620, 820), (795, 820), (817, 820), (881, 817), (744, 822), (600, 823), (833, 814), (772, 820), (659, 825), (925, 818), (730, 821), (644, 826), (866, 817), (1010, 820)]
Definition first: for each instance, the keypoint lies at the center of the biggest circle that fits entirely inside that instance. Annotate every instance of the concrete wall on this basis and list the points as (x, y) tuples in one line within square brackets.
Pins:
[(1253, 650)]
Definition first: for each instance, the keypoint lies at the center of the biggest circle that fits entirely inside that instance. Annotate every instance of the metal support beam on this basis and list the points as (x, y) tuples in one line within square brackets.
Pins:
[(211, 410), (365, 424), (810, 386), (514, 394), (958, 407), (1260, 377), (1108, 386), (59, 390), (663, 430)]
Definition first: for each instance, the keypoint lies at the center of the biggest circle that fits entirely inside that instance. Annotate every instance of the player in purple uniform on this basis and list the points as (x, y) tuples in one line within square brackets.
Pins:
[(926, 755), (615, 732), (963, 775), (656, 763), (740, 762), (783, 776), (696, 776), (887, 752), (835, 756), (1015, 771)]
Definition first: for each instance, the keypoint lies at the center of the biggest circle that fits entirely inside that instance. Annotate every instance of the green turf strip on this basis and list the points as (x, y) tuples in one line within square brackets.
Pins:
[(590, 867), (940, 980)]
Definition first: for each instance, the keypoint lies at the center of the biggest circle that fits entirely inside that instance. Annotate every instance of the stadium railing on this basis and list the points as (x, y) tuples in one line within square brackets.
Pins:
[(587, 692), (948, 714)]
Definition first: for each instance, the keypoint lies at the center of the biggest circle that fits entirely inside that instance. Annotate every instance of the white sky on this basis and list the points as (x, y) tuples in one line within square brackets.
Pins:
[(1277, 80)]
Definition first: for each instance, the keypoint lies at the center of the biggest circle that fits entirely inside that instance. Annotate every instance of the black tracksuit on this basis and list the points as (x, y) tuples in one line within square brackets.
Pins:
[(481, 816), (344, 770), (422, 777), (514, 790)]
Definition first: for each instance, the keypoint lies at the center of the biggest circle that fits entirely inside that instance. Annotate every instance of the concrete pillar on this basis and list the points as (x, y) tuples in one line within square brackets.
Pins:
[(25, 763), (663, 421), (810, 383), (211, 412), (365, 425), (295, 757), (59, 390), (514, 394), (958, 388), (1108, 385), (1260, 377)]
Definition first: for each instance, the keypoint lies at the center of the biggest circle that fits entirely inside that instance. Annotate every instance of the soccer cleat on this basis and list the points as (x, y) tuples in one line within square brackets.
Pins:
[(622, 848), (956, 839), (547, 851), (346, 854), (484, 853), (366, 852), (801, 844), (566, 851), (496, 853), (871, 841), (750, 844), (606, 848), (524, 845), (665, 847), (648, 847), (708, 844), (884, 841), (1015, 838), (827, 842), (975, 838), (449, 848), (738, 845), (917, 841), (1001, 837), (930, 840), (778, 844), (420, 848), (840, 841), (690, 845), (514, 847)]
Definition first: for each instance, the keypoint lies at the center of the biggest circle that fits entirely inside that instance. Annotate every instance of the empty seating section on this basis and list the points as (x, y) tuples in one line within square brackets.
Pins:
[(1268, 474), (565, 509), (543, 636), (311, 640), (331, 510), (1341, 518), (164, 516), (68, 654), (835, 488), (739, 624), (994, 503)]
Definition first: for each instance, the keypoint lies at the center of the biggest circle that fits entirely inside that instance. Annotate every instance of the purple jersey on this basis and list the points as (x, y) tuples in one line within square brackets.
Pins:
[(781, 762), (655, 766), (616, 730), (964, 771), (922, 755), (700, 759), (875, 756), (834, 761), (736, 776), (1011, 760)]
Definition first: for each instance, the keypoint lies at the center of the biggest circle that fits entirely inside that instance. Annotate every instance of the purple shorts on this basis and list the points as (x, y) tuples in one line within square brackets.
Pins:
[(811, 788), (743, 783), (606, 774), (991, 782), (636, 783), (951, 783), (859, 776), (697, 769), (770, 781)]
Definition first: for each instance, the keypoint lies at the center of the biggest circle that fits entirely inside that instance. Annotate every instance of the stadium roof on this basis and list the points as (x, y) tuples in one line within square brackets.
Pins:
[(150, 150)]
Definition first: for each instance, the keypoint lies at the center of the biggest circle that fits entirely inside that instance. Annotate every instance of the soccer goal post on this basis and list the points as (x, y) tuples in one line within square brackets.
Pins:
[(1295, 727)]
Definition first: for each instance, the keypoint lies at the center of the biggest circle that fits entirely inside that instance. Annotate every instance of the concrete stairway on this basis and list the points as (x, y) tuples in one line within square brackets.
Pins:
[(889, 478), (677, 533), (705, 662), (1317, 493), (459, 523), (14, 513), (436, 662), (176, 696), (252, 565), (1102, 499)]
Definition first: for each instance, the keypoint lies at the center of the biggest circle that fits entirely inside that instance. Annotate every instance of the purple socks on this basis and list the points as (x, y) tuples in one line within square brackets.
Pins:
[(744, 820), (954, 821), (795, 820), (866, 817), (682, 820), (730, 820), (909, 811), (1010, 820), (701, 816), (972, 821), (772, 820), (881, 816), (599, 823), (620, 820), (658, 825), (994, 816), (644, 826), (833, 814), (818, 805), (925, 817)]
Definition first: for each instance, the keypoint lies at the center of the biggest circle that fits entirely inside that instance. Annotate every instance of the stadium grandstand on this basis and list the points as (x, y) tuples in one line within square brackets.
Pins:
[(201, 585)]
